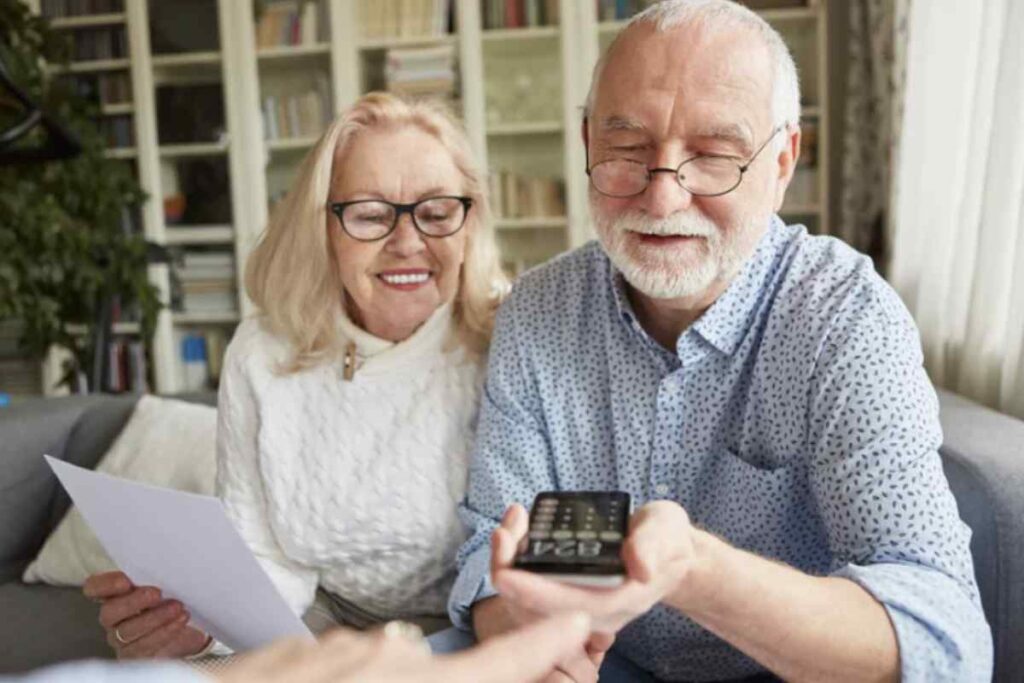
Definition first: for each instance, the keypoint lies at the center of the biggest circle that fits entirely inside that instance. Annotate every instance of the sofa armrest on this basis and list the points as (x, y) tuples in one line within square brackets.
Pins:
[(983, 455), (78, 429)]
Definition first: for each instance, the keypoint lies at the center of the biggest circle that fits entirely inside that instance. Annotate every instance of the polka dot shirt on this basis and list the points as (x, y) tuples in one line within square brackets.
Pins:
[(793, 419)]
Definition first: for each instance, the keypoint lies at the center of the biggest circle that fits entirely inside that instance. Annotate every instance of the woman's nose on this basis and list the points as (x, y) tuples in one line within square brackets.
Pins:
[(406, 239)]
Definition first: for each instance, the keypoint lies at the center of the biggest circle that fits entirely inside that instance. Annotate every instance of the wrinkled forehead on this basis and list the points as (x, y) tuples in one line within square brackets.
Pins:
[(686, 77)]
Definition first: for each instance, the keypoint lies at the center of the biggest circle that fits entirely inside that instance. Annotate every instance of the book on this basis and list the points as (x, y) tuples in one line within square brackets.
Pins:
[(404, 18)]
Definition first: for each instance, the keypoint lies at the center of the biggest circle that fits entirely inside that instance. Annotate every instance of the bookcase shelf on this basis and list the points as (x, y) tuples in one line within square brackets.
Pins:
[(199, 234), (405, 41), (540, 222), (93, 66), (518, 94), (293, 52), (526, 128), (494, 35), (89, 21), (191, 150), (291, 144), (118, 109), (121, 153), (206, 318), (186, 59)]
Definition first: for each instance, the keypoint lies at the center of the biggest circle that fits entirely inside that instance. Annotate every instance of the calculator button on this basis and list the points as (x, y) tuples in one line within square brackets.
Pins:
[(561, 535), (541, 526), (540, 535), (586, 535), (548, 503), (611, 536), (544, 517)]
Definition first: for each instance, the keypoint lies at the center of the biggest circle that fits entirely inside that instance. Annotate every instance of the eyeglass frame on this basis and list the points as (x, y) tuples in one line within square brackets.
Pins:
[(743, 168), (338, 208)]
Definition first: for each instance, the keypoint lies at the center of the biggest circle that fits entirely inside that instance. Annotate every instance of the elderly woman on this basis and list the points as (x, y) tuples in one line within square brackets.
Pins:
[(348, 404)]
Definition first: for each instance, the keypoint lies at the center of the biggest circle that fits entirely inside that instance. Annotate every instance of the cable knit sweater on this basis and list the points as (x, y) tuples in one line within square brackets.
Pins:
[(350, 485)]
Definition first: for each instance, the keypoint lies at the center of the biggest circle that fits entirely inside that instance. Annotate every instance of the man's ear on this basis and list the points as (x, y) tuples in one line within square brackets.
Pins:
[(787, 161)]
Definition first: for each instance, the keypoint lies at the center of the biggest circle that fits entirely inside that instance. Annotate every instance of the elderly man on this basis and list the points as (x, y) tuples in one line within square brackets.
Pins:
[(758, 390)]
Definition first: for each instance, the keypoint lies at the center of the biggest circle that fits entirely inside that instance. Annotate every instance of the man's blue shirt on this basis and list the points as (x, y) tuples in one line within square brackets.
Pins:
[(794, 420)]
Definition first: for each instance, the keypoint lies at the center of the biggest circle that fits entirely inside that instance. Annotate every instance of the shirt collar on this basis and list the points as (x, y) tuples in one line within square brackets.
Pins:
[(725, 323)]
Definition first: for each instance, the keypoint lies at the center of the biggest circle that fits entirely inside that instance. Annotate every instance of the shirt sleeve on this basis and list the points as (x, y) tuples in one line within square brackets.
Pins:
[(241, 488), (511, 462), (112, 672), (892, 522)]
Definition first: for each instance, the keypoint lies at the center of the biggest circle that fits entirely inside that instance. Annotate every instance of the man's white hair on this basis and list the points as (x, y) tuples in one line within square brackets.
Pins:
[(722, 15)]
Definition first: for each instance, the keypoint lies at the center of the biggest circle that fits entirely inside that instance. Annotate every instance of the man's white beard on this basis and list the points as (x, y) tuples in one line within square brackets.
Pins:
[(668, 271)]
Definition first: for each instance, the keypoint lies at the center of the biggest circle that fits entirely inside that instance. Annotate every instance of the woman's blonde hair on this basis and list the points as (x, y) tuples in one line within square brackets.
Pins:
[(292, 276)]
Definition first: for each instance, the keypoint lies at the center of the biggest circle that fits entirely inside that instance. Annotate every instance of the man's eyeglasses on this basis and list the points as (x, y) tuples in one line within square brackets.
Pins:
[(369, 220), (705, 175)]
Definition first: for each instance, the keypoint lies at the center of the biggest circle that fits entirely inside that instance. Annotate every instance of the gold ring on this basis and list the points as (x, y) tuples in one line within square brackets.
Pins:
[(117, 634)]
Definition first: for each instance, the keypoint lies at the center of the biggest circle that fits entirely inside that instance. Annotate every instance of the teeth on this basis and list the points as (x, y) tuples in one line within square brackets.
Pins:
[(405, 279)]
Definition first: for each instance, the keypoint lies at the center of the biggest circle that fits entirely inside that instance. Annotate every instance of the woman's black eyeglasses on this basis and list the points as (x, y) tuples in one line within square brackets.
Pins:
[(369, 220)]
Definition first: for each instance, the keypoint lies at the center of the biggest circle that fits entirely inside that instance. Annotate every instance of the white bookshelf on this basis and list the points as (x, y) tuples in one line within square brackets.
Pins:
[(526, 134)]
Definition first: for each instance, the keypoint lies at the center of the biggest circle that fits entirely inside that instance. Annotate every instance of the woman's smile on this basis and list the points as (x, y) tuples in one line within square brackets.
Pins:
[(405, 279)]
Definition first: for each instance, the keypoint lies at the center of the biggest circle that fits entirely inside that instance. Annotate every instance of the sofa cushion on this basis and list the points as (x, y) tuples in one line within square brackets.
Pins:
[(166, 443), (42, 625), (79, 429)]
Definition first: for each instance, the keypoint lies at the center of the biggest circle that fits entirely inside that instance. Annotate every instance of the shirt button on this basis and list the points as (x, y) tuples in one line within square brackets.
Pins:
[(661, 489)]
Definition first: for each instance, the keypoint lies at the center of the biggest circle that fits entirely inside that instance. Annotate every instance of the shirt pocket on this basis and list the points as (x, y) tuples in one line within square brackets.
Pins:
[(748, 504)]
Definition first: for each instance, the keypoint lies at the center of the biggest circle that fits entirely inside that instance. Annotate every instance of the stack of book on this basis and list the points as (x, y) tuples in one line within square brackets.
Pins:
[(126, 366), (101, 43), (618, 10), (518, 196), (201, 357), (73, 8), (115, 88), (118, 131), (289, 22), (404, 18), (421, 72), (297, 115), (520, 13), (809, 142), (207, 282)]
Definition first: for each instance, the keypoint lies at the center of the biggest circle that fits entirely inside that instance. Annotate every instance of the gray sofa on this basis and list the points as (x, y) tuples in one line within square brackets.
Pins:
[(983, 456)]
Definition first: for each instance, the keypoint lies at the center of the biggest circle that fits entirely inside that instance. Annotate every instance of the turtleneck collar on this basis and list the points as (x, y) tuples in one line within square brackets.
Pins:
[(375, 353)]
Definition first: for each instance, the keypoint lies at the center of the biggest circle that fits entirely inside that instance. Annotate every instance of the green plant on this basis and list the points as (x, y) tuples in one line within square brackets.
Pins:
[(64, 250)]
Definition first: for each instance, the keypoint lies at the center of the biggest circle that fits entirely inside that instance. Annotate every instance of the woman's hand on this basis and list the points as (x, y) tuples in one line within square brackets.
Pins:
[(345, 656), (139, 623)]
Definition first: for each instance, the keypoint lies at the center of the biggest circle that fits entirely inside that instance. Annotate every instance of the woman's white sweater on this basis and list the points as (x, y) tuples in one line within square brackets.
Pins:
[(350, 485)]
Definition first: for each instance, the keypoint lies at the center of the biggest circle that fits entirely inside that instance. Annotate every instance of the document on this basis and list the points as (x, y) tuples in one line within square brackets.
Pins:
[(184, 544)]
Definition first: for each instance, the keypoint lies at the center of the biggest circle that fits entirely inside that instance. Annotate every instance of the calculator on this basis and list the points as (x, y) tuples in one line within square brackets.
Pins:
[(576, 537)]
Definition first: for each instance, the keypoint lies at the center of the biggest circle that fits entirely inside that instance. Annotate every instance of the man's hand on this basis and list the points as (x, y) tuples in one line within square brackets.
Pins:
[(345, 656), (139, 623), (659, 554)]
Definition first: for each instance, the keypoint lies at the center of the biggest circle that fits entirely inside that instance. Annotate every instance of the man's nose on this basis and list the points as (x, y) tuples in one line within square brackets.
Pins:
[(664, 195)]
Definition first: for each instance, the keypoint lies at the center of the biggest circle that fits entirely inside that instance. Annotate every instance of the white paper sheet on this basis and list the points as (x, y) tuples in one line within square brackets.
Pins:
[(184, 544)]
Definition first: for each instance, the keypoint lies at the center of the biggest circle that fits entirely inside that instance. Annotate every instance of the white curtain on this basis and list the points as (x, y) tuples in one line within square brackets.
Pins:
[(958, 241)]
